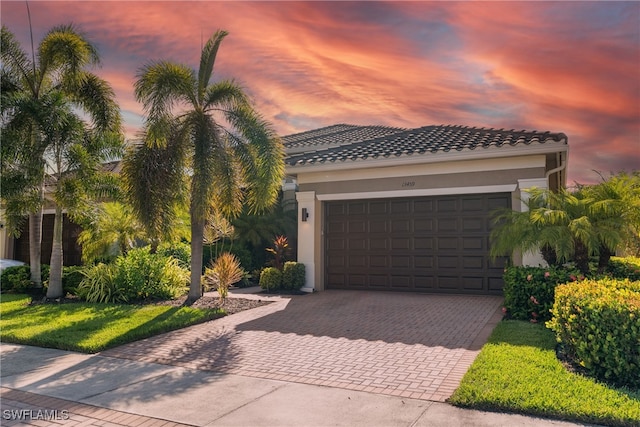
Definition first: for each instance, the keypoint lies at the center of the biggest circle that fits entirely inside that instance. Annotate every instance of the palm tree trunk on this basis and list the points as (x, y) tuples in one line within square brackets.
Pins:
[(197, 236), (582, 257), (55, 274), (35, 247), (603, 259)]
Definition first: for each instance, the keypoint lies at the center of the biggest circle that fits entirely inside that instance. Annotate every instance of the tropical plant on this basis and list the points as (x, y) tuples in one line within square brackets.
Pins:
[(214, 140), (567, 226), (280, 251), (57, 117), (224, 272), (112, 231)]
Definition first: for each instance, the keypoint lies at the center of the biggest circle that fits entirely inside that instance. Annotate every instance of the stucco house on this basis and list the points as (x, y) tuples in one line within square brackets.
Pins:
[(410, 209), (397, 209)]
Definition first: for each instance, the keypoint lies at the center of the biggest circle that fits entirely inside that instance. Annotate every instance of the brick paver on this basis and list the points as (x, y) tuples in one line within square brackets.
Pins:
[(20, 408), (411, 345)]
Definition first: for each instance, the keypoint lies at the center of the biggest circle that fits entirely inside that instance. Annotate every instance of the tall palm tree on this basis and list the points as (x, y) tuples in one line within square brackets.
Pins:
[(38, 96), (229, 153)]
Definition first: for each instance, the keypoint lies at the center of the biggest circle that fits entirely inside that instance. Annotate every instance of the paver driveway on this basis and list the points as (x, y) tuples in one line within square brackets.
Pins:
[(400, 344)]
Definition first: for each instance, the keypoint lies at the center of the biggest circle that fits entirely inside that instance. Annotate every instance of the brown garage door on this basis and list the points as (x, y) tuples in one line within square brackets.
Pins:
[(425, 244)]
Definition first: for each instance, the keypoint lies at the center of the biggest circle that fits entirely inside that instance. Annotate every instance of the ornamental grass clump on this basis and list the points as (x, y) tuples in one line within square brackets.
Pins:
[(224, 272)]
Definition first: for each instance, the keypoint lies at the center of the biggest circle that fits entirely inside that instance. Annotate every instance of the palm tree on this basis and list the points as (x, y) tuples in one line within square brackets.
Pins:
[(42, 100), (112, 230), (567, 226), (227, 151)]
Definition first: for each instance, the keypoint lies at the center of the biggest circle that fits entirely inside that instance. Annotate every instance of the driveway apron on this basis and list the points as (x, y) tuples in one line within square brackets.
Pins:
[(400, 344)]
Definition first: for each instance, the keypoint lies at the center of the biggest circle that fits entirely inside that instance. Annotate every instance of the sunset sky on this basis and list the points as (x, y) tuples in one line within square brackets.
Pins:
[(569, 67)]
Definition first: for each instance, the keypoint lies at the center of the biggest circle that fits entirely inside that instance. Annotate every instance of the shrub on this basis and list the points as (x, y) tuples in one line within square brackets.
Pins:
[(137, 276), (101, 284), (224, 272), (293, 275), (624, 268), (598, 322), (181, 251), (270, 279), (529, 291), (18, 278), (72, 276)]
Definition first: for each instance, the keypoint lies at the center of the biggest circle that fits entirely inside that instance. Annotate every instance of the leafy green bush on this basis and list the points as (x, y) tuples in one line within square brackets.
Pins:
[(71, 278), (624, 268), (137, 276), (293, 275), (180, 251), (598, 322), (529, 291), (270, 279), (101, 284), (18, 278)]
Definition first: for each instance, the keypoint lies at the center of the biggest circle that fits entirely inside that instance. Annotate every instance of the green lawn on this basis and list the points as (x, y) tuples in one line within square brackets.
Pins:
[(517, 371), (90, 328)]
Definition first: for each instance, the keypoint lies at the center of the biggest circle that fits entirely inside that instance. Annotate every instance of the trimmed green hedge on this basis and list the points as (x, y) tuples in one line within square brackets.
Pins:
[(598, 321), (270, 279), (529, 291), (293, 275), (624, 268)]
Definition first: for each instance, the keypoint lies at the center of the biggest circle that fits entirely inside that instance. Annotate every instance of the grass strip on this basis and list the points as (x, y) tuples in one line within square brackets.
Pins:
[(517, 371), (87, 327)]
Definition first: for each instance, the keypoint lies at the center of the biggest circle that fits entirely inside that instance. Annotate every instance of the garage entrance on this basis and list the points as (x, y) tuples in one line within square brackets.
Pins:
[(424, 244)]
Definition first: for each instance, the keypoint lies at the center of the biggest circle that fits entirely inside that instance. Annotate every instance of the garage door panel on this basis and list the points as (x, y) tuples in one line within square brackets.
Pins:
[(357, 208), (423, 225), (425, 243), (378, 226), (447, 206), (433, 244), (357, 226), (400, 261), (401, 282), (472, 262), (475, 204), (423, 262), (448, 243), (376, 244), (450, 283), (401, 226), (473, 243), (447, 225), (448, 262), (401, 243), (472, 283), (473, 224)]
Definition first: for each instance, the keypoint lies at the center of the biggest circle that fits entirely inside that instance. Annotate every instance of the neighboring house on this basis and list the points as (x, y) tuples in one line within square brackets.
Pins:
[(18, 248), (410, 209)]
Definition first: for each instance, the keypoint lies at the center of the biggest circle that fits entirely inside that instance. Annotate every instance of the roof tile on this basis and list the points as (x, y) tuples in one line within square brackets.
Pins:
[(348, 142)]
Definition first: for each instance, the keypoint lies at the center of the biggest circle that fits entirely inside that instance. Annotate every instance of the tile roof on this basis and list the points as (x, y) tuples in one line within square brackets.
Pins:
[(340, 143)]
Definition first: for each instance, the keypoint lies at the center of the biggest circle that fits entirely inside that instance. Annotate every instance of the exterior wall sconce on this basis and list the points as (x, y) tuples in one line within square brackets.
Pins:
[(305, 215)]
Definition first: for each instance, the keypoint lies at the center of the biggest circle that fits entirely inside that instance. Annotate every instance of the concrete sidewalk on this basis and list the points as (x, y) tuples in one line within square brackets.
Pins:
[(95, 390)]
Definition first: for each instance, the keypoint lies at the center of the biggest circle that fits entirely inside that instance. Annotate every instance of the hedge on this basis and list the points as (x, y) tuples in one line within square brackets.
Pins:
[(598, 322), (293, 275), (529, 291), (270, 279)]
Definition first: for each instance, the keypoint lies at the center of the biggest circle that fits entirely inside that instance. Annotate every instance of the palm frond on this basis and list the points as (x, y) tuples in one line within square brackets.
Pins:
[(208, 59), (160, 86)]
